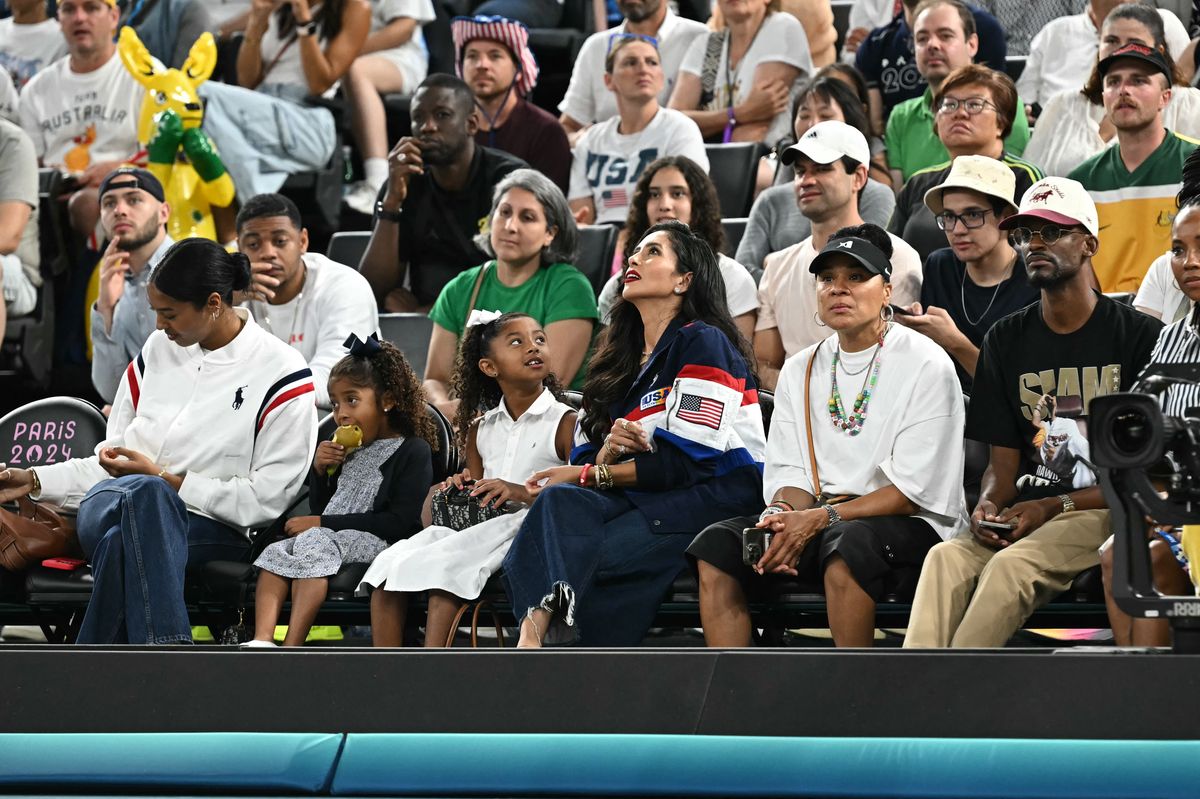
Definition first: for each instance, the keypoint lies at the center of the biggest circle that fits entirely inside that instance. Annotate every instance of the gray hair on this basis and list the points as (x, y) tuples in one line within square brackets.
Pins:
[(554, 207)]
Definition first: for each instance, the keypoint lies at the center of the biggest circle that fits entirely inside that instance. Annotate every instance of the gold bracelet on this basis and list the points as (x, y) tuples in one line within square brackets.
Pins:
[(162, 472), (37, 483)]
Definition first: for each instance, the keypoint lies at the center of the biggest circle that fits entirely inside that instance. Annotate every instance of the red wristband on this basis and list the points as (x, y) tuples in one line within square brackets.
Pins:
[(587, 467)]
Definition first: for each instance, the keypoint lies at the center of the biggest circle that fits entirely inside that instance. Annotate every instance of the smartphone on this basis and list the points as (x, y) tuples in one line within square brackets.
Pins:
[(1002, 527), (755, 543), (896, 309), (66, 564)]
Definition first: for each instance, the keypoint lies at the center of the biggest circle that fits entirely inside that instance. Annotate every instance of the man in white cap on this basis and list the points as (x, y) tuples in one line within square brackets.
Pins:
[(1041, 517), (831, 161), (493, 57), (979, 279)]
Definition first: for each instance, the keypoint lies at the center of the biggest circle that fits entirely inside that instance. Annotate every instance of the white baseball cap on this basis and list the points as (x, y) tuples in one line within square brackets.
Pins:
[(977, 173), (1060, 200), (828, 141)]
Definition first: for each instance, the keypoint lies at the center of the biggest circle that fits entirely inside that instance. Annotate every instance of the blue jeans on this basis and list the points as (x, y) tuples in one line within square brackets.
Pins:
[(592, 559), (140, 537)]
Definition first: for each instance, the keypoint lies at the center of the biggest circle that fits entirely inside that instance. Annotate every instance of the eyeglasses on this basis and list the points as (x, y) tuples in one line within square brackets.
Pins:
[(971, 218), (1022, 236), (974, 105), (613, 38)]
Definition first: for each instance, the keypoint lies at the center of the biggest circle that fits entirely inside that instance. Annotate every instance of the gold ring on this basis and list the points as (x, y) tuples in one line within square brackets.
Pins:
[(624, 424)]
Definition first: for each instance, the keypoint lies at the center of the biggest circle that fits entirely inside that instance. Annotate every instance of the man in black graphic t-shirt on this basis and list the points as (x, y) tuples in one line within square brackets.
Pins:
[(1038, 371)]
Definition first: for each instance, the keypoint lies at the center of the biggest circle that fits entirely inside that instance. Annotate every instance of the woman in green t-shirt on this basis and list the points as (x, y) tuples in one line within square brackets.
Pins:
[(532, 237)]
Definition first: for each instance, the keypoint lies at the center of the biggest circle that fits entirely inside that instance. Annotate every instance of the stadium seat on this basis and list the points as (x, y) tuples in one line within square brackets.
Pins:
[(596, 245), (347, 247), (734, 228), (734, 169), (410, 332), (1014, 65), (1124, 297)]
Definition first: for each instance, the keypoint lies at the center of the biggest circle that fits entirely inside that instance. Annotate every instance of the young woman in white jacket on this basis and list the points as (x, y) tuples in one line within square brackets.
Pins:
[(212, 431)]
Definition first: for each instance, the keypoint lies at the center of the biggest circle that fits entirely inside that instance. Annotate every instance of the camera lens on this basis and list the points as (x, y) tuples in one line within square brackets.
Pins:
[(1130, 432)]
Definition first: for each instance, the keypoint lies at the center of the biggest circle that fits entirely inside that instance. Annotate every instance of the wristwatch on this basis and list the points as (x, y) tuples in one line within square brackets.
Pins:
[(1068, 504), (383, 213), (306, 28), (834, 516)]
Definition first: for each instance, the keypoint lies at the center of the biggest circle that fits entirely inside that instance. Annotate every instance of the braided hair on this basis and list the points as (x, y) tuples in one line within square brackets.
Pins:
[(1189, 189), (388, 371), (477, 392)]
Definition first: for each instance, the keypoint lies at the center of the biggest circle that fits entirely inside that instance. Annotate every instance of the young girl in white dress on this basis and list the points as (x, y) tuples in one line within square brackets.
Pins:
[(503, 373)]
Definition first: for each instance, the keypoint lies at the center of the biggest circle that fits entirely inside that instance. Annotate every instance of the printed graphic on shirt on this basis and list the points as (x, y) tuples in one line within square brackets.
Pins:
[(605, 170), (21, 69), (79, 157), (899, 76), (1056, 404)]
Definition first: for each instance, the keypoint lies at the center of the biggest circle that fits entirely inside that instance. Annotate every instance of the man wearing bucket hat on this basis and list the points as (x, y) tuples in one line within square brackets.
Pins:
[(1041, 517), (492, 55), (830, 161), (979, 279), (1135, 182)]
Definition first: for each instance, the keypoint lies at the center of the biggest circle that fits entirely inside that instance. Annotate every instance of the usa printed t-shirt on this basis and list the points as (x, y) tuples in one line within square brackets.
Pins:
[(607, 163), (1033, 388), (1135, 209), (77, 119)]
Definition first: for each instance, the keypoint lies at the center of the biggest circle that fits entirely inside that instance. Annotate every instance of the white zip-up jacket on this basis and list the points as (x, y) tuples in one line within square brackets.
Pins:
[(239, 423), (334, 302)]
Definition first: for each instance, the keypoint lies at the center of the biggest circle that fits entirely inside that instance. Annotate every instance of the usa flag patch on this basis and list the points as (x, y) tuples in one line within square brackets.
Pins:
[(700, 410)]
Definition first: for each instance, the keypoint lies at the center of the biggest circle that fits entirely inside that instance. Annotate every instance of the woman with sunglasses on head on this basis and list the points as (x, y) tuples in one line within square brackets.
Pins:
[(979, 279), (610, 156), (975, 108)]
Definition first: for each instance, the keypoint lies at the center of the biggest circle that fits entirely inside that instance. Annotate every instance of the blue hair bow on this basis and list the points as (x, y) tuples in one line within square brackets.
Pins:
[(363, 349)]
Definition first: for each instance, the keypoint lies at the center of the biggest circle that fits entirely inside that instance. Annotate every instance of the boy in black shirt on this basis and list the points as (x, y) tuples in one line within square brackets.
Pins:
[(1041, 517)]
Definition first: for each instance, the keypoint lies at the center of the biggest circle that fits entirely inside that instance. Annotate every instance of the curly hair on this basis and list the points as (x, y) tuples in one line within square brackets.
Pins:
[(616, 362), (705, 221), (1189, 187), (388, 370), (478, 393)]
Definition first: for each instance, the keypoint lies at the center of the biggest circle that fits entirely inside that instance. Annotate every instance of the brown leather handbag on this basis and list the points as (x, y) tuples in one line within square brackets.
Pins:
[(35, 532)]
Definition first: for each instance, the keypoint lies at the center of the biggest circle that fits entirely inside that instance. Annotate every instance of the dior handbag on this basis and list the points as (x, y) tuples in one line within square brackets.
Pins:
[(457, 509)]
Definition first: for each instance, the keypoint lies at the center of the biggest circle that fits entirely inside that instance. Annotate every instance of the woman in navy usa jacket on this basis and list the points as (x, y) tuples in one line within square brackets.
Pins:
[(671, 439)]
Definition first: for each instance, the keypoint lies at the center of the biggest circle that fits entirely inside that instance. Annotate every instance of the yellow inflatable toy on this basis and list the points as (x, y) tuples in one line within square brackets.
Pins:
[(181, 155)]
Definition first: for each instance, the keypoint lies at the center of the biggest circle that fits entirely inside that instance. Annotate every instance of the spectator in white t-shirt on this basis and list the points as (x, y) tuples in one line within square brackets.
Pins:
[(1159, 295), (756, 64), (676, 188), (29, 40), (19, 256), (587, 99), (830, 161), (610, 156), (82, 110), (394, 59)]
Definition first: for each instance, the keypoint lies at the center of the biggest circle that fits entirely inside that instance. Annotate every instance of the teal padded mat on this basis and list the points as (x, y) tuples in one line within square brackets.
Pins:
[(299, 762)]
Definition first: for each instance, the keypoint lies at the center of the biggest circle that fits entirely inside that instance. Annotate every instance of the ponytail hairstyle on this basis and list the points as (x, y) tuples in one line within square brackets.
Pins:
[(617, 359), (477, 392), (194, 269), (382, 367)]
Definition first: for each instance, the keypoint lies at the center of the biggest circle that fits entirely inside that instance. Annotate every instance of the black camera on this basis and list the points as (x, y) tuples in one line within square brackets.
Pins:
[(1149, 469), (755, 543)]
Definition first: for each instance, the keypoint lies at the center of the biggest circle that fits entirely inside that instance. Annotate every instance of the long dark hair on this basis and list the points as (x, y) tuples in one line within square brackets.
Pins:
[(706, 209), (478, 393), (616, 362), (194, 269), (328, 18)]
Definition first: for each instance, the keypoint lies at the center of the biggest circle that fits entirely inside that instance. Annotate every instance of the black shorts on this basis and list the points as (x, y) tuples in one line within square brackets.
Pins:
[(884, 553)]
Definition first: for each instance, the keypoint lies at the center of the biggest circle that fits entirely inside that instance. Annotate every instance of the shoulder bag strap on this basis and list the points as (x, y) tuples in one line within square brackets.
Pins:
[(708, 72), (812, 452), (475, 293)]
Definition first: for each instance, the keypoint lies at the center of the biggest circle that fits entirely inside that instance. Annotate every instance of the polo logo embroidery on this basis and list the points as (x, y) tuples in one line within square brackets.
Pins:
[(238, 399)]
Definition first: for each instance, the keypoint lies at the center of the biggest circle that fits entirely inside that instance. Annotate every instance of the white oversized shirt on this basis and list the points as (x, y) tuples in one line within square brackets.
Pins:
[(912, 437)]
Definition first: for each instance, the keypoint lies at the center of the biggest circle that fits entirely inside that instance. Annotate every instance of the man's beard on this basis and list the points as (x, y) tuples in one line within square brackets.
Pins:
[(140, 237)]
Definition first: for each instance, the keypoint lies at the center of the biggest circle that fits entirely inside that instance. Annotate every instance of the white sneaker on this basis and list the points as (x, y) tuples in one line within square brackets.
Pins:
[(256, 644), (361, 197)]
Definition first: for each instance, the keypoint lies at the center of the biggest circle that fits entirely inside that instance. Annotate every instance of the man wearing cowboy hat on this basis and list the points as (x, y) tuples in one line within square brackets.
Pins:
[(979, 279), (1135, 182), (1041, 517), (493, 57)]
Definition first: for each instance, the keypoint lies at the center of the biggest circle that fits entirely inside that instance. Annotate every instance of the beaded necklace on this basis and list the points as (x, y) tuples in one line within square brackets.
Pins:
[(852, 423)]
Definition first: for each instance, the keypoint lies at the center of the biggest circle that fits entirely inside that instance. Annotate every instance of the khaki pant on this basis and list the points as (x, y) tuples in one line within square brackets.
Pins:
[(970, 595)]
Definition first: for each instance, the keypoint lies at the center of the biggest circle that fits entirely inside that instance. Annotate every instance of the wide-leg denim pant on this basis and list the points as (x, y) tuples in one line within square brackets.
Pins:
[(593, 560), (139, 537)]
